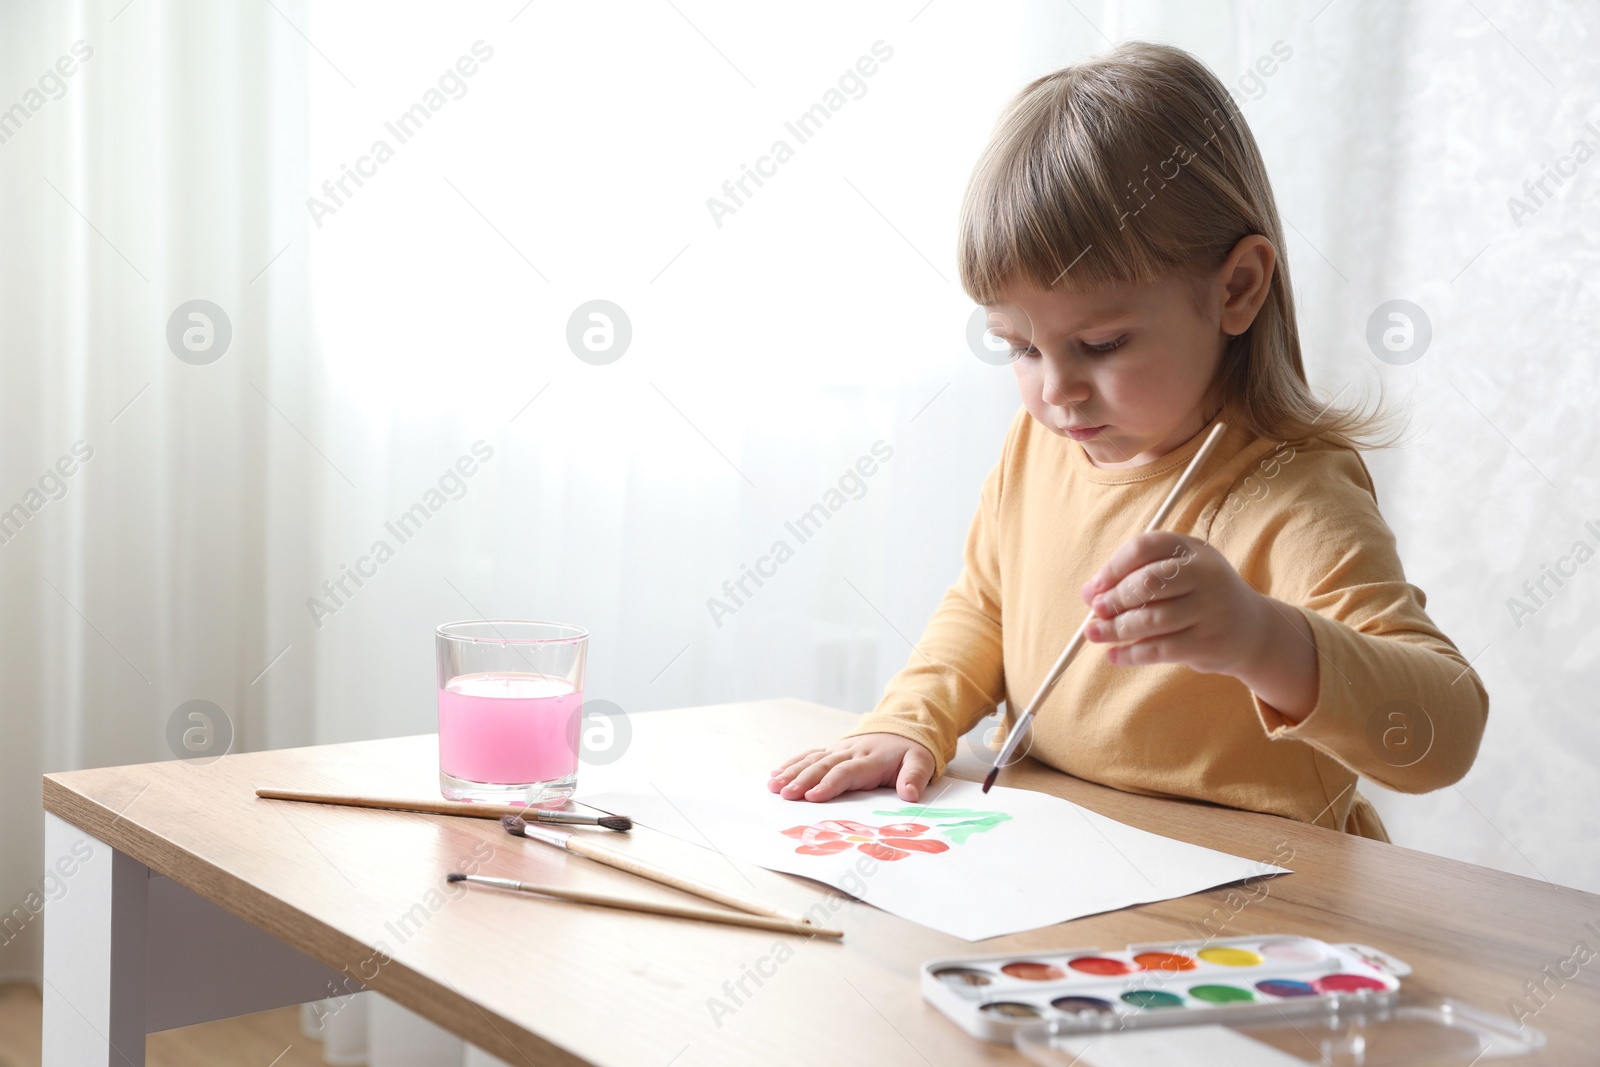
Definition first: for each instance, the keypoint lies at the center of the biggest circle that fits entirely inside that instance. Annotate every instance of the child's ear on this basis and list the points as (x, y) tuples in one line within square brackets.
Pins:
[(1247, 279)]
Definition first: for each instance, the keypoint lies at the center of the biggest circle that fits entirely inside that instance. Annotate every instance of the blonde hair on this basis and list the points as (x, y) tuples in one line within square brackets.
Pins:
[(1130, 167)]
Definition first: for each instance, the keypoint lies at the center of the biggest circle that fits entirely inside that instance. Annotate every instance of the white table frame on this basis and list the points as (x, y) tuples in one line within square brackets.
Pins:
[(128, 952)]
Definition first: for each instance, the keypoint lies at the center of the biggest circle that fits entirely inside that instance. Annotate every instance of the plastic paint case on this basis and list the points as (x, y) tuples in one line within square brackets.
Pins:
[(992, 997), (1388, 1030), (1194, 993)]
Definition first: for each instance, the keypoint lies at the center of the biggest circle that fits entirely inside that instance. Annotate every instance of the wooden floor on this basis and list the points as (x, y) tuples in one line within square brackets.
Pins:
[(267, 1038)]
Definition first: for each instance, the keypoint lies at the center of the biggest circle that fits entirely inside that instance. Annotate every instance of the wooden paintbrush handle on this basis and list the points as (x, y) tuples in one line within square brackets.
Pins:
[(624, 862), (427, 807), (680, 911)]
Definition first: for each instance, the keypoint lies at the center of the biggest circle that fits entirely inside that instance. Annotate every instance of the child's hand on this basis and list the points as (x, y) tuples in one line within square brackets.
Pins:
[(864, 761), (1168, 598)]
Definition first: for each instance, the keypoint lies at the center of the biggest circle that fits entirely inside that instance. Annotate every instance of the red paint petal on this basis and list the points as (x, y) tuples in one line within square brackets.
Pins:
[(810, 833), (826, 848), (845, 826), (882, 852), (903, 829), (920, 845)]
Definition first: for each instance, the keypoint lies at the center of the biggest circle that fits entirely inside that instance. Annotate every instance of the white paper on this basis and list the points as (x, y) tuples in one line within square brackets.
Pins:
[(968, 864)]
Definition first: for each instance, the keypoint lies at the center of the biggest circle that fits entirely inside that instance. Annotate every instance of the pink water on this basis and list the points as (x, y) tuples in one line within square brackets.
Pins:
[(509, 729)]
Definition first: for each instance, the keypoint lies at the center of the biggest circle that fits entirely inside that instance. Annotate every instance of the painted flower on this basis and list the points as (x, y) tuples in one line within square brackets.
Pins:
[(893, 842)]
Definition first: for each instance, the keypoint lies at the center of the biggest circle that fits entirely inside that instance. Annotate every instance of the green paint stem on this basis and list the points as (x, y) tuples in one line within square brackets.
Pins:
[(968, 821)]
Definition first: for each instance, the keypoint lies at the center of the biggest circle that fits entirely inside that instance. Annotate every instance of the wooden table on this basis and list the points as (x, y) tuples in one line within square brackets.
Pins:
[(200, 901)]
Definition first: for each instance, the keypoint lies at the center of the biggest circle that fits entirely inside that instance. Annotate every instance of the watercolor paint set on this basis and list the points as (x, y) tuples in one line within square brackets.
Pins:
[(992, 997), (1149, 1001)]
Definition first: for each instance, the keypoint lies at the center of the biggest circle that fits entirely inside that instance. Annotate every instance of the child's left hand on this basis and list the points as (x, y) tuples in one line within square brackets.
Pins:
[(1169, 598)]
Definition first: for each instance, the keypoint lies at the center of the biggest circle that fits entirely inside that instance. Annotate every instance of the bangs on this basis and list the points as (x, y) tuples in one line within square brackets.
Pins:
[(1076, 243), (1132, 168), (1080, 189)]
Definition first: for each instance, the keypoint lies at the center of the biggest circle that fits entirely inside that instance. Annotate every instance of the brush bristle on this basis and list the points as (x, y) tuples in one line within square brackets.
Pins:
[(988, 779), (455, 876), (616, 822), (514, 825)]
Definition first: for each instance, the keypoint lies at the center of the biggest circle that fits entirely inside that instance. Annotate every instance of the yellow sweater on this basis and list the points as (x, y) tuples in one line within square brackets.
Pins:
[(1396, 701)]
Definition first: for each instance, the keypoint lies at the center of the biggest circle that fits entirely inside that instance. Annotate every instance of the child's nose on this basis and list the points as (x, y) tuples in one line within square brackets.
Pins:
[(1060, 390)]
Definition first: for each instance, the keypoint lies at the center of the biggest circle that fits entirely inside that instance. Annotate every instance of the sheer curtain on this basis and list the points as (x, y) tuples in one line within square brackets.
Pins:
[(157, 509), (782, 329), (779, 330)]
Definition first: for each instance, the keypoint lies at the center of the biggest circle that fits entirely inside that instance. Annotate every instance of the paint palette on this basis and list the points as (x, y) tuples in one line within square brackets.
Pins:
[(993, 997)]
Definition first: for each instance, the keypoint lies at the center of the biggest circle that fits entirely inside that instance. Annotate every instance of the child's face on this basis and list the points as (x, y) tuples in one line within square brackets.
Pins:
[(1123, 370)]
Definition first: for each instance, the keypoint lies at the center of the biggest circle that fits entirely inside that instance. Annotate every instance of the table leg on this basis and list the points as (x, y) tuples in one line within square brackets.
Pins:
[(128, 952), (94, 952)]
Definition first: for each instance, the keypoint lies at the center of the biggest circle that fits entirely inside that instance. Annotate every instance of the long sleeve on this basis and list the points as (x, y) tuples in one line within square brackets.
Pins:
[(1396, 701), (955, 675)]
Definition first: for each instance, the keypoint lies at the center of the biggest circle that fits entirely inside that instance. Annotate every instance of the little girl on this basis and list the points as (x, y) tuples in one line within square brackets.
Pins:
[(1265, 648)]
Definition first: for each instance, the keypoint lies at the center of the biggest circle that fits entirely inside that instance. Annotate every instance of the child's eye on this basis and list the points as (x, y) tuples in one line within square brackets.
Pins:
[(1109, 346), (1100, 349)]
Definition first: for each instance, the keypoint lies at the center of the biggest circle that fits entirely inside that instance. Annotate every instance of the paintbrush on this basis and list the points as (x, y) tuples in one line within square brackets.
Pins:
[(680, 911), (1020, 728), (591, 849), (453, 807)]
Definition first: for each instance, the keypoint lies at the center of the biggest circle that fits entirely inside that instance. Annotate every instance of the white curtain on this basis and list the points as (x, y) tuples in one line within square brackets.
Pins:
[(775, 340), (152, 156), (777, 337)]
